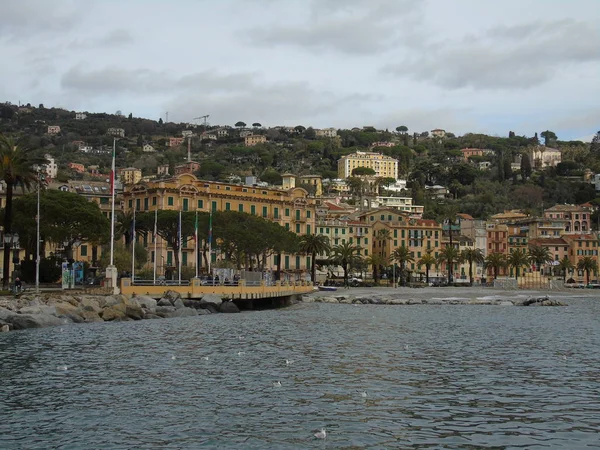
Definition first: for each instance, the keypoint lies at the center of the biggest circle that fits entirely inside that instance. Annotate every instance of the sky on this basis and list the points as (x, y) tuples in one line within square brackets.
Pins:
[(463, 65)]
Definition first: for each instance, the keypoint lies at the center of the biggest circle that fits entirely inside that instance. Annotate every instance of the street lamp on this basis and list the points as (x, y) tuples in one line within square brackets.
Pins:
[(12, 241)]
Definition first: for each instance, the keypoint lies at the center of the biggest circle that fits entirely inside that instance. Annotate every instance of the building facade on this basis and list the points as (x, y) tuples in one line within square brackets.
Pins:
[(254, 139), (130, 175), (384, 166)]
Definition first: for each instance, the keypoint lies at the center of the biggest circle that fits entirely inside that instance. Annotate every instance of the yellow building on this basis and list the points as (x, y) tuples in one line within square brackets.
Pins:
[(313, 184), (419, 235), (130, 175), (254, 139), (384, 166), (292, 209)]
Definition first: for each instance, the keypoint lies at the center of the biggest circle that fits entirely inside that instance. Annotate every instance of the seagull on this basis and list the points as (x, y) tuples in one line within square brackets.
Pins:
[(277, 384), (62, 329), (363, 394), (241, 353), (405, 346), (321, 434), (205, 358), (564, 357), (62, 368), (173, 357), (288, 362)]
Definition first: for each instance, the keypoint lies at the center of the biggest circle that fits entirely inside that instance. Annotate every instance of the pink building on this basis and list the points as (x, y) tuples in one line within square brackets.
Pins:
[(175, 141)]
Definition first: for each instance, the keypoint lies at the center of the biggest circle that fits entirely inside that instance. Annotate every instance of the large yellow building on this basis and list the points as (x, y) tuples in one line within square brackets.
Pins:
[(130, 175), (292, 209), (384, 166)]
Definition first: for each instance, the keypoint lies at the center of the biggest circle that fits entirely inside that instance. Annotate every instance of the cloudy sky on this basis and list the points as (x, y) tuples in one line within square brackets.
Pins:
[(462, 65)]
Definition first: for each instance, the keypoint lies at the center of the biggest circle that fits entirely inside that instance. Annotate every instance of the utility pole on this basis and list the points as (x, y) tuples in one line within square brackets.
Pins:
[(167, 117)]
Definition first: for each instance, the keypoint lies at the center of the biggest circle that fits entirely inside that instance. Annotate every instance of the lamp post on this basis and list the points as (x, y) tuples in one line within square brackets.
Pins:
[(11, 241), (37, 235)]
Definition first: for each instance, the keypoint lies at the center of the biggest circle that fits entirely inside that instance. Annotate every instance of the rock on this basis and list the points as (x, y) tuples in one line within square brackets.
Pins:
[(64, 308), (346, 301), (212, 298), (434, 301), (307, 299), (396, 301), (134, 312), (24, 321), (5, 314), (152, 316), (4, 328), (164, 302), (171, 296), (203, 312), (341, 297), (414, 301), (329, 300), (229, 307), (75, 318), (506, 303), (89, 316), (536, 301), (183, 312), (376, 301), (111, 313), (210, 307), (112, 300), (90, 304), (178, 303), (164, 311), (146, 302)]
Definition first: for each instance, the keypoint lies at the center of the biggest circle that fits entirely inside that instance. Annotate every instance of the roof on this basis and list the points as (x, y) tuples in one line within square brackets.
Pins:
[(465, 216), (565, 208), (427, 222), (548, 242)]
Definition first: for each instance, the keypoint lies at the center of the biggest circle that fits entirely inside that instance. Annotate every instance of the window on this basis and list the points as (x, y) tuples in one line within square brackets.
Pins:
[(297, 214), (227, 188), (214, 206), (287, 226), (200, 204), (227, 206), (287, 262), (343, 231), (84, 250), (395, 233), (372, 218), (383, 217), (152, 256), (298, 228), (170, 201), (185, 204), (265, 211), (241, 207), (104, 200), (184, 259), (169, 258), (253, 209), (308, 214), (146, 204), (137, 204), (297, 262), (276, 213), (153, 201), (307, 229), (130, 204)]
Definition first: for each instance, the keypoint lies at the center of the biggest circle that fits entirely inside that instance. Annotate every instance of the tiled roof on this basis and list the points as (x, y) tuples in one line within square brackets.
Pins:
[(548, 242)]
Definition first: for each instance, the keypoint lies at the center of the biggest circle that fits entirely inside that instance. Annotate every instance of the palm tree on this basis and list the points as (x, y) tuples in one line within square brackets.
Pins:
[(344, 254), (17, 168), (587, 264), (376, 261), (565, 265), (427, 260), (358, 188), (383, 234), (449, 255), (313, 245), (123, 226), (539, 256), (402, 256), (450, 216), (517, 259), (496, 261), (472, 255)]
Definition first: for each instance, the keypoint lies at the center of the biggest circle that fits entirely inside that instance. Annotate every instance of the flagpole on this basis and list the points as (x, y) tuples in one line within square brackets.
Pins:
[(180, 240), (133, 247), (112, 208), (155, 255), (196, 241), (209, 238)]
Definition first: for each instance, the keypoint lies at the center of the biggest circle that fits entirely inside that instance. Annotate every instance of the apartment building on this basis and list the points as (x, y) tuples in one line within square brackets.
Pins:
[(577, 217), (117, 132), (384, 166), (130, 175), (326, 133), (254, 139), (175, 141), (80, 116), (53, 129)]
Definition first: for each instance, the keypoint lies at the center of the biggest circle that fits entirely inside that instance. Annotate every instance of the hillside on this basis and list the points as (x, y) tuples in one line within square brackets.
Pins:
[(508, 173)]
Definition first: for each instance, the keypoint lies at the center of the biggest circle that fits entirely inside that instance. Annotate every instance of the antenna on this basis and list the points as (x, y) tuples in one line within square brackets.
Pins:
[(167, 117)]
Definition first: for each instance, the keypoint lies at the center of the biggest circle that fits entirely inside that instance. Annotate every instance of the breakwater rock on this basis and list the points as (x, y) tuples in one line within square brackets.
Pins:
[(44, 310), (395, 299)]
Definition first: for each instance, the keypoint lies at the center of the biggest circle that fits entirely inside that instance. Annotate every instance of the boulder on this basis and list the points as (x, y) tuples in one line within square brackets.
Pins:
[(210, 307), (24, 321), (396, 301), (164, 311), (146, 302), (171, 296), (112, 300), (64, 308), (150, 315), (5, 314), (202, 312), (329, 300), (111, 313), (212, 298), (414, 301), (4, 327), (346, 300), (90, 304), (73, 317), (178, 303), (506, 303), (307, 299), (134, 312), (183, 312), (164, 302), (229, 307), (89, 316), (192, 303)]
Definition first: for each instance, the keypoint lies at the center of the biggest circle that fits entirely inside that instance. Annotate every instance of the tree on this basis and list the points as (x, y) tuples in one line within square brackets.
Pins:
[(517, 259), (539, 256), (362, 171), (16, 169), (299, 129), (376, 261), (525, 166), (313, 245), (256, 125), (565, 265), (402, 129), (122, 257), (240, 124), (449, 255), (496, 261), (124, 226), (310, 133), (549, 137), (587, 264), (427, 260), (344, 254), (472, 256), (402, 256)]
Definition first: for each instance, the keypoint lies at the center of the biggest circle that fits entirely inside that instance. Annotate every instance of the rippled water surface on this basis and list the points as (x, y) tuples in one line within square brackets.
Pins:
[(434, 377)]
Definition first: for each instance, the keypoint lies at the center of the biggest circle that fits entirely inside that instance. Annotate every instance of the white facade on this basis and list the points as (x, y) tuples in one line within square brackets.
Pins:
[(148, 148), (116, 132), (398, 186), (222, 132), (326, 132), (53, 129), (51, 167), (80, 116), (546, 156), (245, 133), (187, 133), (399, 203)]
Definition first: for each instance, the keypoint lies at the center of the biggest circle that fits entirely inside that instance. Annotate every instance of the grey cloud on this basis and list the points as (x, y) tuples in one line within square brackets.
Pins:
[(21, 18), (116, 38), (113, 80), (456, 120), (520, 56), (352, 27)]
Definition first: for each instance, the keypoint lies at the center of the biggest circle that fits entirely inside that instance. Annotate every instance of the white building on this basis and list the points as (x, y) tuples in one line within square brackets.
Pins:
[(51, 168), (399, 203), (398, 186), (53, 129), (438, 133), (148, 148), (187, 133), (80, 116), (222, 132), (546, 157), (120, 132), (245, 133), (326, 133)]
